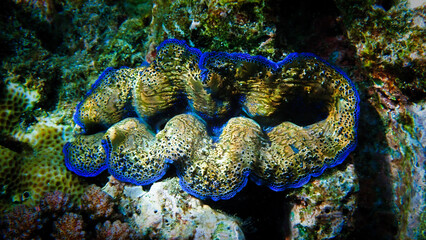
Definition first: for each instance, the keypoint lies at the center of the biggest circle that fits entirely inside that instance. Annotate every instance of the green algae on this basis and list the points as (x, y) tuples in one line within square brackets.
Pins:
[(391, 41), (422, 227), (137, 8), (222, 231), (325, 207), (231, 26), (407, 123)]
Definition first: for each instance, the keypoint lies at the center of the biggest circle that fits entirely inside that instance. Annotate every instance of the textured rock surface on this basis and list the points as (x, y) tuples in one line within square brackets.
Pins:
[(323, 208), (167, 212)]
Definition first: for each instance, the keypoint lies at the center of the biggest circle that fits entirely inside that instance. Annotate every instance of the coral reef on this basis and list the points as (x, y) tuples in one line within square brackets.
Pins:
[(54, 50), (391, 42), (22, 222), (167, 212), (55, 203), (323, 216), (31, 165), (218, 25), (406, 159), (288, 158), (116, 230), (10, 161), (69, 226), (97, 203), (16, 100), (42, 169), (60, 217)]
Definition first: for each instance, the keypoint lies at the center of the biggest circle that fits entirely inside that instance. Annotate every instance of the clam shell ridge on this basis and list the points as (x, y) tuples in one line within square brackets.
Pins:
[(217, 117)]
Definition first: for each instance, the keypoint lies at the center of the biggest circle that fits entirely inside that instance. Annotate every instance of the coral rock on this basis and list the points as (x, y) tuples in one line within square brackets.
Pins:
[(115, 231), (323, 208), (167, 212)]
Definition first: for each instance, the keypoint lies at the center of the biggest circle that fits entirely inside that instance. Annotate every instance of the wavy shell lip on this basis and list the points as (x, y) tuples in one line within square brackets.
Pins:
[(108, 100), (211, 103), (85, 155)]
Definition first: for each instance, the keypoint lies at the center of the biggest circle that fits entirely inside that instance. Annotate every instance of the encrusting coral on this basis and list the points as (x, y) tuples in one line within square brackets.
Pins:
[(15, 100), (55, 203), (10, 161), (43, 170), (32, 167), (232, 125), (28, 151)]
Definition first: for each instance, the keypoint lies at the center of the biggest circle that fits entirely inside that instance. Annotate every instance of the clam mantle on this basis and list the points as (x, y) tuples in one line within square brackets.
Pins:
[(220, 118)]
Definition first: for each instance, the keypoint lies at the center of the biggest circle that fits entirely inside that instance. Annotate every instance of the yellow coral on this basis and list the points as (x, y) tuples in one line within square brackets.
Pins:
[(40, 168), (44, 170), (9, 163), (15, 100)]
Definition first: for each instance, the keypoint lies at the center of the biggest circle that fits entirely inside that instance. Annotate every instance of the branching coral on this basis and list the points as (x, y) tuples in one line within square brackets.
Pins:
[(69, 226), (21, 222), (97, 203), (234, 127), (43, 170), (57, 217)]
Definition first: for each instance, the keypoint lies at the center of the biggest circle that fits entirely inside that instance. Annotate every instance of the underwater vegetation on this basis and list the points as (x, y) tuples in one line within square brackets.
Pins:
[(214, 162)]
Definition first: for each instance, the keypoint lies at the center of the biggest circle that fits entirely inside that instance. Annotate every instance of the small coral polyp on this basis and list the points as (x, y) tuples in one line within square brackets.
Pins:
[(222, 121)]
